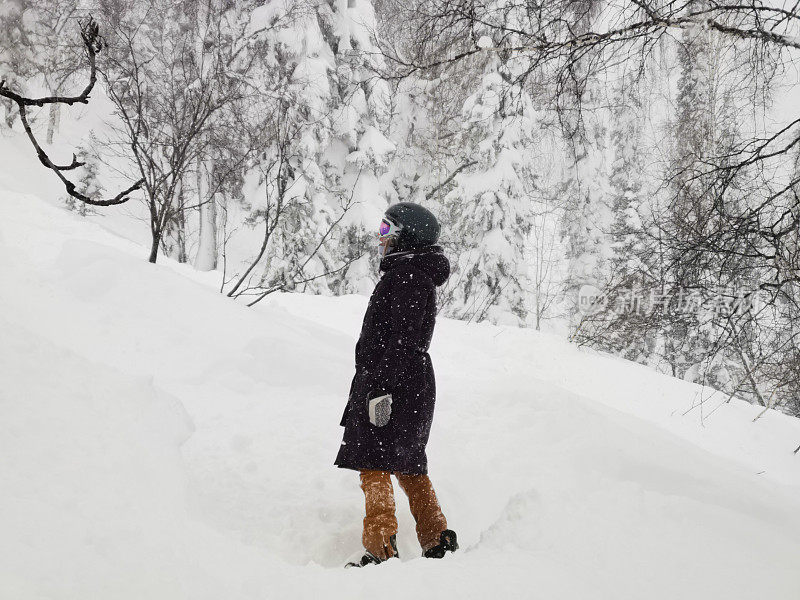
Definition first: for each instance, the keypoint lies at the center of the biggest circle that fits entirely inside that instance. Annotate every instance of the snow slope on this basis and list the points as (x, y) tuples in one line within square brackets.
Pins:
[(161, 441)]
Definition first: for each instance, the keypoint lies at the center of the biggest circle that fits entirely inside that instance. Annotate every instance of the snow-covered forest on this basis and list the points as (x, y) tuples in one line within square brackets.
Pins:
[(190, 194), (624, 174)]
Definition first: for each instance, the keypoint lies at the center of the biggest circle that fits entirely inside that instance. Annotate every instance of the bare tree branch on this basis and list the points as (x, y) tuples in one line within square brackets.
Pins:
[(93, 43)]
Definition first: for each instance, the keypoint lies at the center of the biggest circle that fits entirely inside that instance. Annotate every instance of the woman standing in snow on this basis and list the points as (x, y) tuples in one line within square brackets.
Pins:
[(390, 408)]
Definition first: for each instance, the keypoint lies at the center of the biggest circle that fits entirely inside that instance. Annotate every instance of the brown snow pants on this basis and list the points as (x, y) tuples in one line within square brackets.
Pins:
[(380, 522)]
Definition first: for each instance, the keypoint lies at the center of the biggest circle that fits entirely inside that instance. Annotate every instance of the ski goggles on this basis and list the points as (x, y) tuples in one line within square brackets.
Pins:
[(388, 229)]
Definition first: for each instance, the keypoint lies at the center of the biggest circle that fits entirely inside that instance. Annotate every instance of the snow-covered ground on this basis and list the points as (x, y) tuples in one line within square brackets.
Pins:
[(161, 441)]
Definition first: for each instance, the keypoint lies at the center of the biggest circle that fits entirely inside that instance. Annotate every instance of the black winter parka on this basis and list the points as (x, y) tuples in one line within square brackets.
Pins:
[(392, 357)]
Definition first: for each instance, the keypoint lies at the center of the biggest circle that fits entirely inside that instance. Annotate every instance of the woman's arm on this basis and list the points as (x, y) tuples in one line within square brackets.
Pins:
[(408, 305)]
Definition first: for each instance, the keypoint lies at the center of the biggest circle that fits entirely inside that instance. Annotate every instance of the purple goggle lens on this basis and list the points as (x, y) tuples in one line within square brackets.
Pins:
[(386, 228)]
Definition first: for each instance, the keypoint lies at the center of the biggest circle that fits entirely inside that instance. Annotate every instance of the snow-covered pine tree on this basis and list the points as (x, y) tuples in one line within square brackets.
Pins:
[(361, 122), (88, 183), (684, 341), (735, 340), (489, 209), (329, 124), (284, 186), (585, 216), (617, 326)]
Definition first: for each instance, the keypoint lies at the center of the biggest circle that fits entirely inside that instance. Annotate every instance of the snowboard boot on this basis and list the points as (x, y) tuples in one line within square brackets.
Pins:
[(447, 543), (370, 559)]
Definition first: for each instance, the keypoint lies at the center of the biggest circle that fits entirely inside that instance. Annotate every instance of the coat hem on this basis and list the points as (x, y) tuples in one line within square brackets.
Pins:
[(382, 468)]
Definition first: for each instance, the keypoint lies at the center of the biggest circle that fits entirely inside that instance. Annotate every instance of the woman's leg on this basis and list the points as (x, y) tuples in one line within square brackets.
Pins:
[(425, 508), (380, 522)]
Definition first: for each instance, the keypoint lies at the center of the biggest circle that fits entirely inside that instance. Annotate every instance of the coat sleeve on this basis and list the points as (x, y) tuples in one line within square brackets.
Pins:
[(409, 303)]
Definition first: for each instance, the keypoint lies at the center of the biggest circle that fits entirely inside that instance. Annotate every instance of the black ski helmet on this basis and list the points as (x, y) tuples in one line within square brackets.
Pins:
[(418, 226)]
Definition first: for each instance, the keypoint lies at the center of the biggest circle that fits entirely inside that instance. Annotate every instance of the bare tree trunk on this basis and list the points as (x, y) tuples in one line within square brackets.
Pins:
[(179, 226), (173, 234), (206, 259), (54, 119), (154, 247), (181, 234)]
